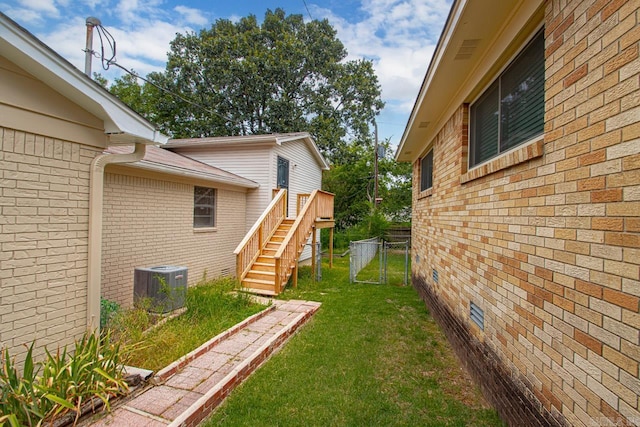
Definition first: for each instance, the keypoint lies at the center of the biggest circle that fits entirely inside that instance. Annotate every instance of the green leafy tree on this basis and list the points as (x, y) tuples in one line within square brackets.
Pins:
[(283, 75), (353, 183)]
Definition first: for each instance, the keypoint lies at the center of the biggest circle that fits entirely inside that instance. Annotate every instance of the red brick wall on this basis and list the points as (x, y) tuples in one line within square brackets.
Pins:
[(546, 239)]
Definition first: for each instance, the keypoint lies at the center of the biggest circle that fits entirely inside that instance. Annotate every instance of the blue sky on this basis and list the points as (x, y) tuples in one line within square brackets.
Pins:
[(399, 36)]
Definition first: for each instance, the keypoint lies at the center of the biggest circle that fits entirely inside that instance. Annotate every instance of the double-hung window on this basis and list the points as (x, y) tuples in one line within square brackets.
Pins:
[(426, 171), (204, 207), (511, 111)]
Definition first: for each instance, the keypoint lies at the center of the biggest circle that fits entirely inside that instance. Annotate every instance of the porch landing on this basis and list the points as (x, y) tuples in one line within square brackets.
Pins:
[(189, 389)]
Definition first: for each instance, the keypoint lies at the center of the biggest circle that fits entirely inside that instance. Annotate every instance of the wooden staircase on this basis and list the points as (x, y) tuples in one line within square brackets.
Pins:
[(269, 253), (261, 278)]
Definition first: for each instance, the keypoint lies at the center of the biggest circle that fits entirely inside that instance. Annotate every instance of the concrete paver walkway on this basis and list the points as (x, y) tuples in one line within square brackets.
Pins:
[(186, 391)]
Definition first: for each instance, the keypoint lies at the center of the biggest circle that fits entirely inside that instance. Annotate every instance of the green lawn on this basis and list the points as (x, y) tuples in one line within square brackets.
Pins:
[(371, 355)]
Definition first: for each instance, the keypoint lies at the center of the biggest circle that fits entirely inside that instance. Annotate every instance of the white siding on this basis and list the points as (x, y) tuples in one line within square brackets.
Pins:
[(305, 175), (250, 163), (260, 164)]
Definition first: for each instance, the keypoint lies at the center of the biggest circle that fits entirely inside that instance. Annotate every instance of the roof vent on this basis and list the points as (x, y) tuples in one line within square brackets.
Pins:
[(467, 48)]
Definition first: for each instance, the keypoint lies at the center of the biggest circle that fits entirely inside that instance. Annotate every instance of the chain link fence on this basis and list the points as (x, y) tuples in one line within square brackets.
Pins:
[(376, 261)]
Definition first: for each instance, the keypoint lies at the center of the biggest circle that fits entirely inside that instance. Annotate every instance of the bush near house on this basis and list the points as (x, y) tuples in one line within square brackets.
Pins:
[(60, 384)]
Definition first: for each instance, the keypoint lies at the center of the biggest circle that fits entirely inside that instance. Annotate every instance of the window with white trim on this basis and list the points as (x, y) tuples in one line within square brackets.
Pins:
[(204, 207), (511, 111), (426, 171)]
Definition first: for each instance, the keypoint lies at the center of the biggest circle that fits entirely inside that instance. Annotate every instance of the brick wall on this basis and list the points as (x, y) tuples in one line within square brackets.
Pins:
[(149, 221), (546, 240), (44, 200)]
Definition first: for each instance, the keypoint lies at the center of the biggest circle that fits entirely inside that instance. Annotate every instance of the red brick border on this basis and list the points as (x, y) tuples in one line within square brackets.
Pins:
[(207, 403)]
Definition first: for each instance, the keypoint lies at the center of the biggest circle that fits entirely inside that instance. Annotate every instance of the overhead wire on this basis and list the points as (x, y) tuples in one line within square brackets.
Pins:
[(107, 63), (307, 7)]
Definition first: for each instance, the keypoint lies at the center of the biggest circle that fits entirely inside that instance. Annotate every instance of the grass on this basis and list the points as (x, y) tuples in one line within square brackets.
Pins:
[(371, 355), (211, 309)]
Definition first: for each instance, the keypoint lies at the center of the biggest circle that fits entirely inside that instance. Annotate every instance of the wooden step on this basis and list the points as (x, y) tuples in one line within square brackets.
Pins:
[(266, 292), (269, 276), (263, 266), (266, 260), (259, 285)]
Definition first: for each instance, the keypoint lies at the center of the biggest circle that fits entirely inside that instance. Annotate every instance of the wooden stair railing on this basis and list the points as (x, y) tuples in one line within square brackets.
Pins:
[(318, 205), (250, 247)]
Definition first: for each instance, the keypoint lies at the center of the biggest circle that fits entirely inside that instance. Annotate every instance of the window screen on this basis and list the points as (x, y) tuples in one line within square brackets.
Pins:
[(204, 206), (426, 171), (511, 111)]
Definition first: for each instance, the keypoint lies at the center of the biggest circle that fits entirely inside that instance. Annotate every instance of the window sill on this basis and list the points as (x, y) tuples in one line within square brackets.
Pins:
[(511, 158), (205, 229), (426, 193)]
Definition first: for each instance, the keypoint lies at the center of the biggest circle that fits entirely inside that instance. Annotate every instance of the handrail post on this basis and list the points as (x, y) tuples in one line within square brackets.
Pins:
[(277, 281)]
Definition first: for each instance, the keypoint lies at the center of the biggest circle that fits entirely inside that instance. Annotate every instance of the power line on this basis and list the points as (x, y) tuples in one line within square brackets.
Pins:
[(106, 64), (307, 7), (167, 91)]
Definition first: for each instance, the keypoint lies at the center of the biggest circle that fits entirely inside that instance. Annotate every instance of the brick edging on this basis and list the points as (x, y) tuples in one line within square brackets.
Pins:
[(201, 408), (175, 366)]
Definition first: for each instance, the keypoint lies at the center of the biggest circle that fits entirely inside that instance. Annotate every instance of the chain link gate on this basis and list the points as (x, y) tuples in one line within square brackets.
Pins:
[(369, 262)]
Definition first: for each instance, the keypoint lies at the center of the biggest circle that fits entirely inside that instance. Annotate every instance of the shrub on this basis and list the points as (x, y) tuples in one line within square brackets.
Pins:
[(68, 380), (108, 309)]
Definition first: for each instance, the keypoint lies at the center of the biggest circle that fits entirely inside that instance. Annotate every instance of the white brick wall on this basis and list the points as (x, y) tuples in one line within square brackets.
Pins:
[(44, 201), (149, 221)]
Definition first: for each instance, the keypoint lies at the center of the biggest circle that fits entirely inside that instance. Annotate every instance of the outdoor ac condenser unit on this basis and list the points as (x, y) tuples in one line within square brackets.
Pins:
[(165, 285)]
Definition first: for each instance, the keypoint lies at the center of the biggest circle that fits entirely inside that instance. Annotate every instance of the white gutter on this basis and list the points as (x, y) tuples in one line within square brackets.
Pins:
[(94, 262)]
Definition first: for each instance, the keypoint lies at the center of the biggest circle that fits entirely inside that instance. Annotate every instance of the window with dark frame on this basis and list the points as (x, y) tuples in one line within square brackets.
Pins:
[(426, 171), (204, 207), (510, 111)]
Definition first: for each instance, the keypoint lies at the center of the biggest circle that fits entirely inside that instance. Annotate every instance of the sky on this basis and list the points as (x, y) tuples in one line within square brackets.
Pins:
[(398, 36)]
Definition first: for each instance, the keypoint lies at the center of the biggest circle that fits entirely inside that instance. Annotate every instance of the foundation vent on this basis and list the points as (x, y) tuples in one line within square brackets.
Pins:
[(477, 315)]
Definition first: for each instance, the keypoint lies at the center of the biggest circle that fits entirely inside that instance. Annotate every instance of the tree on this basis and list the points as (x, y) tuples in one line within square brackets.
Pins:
[(353, 183), (283, 75)]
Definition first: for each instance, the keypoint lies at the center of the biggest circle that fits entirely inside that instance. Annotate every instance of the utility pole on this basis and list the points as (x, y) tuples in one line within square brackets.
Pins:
[(375, 167), (88, 52)]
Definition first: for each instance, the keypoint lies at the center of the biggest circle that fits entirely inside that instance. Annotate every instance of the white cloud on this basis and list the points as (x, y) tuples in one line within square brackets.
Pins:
[(192, 16), (46, 6), (399, 36)]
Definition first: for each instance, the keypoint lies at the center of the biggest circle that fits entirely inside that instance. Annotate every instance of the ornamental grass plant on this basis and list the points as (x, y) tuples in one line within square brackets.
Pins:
[(62, 383)]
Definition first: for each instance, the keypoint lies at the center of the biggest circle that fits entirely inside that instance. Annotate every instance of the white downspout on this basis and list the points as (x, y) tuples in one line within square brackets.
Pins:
[(94, 262)]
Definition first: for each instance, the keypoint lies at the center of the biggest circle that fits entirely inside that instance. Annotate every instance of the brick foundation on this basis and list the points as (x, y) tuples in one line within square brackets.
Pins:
[(512, 399)]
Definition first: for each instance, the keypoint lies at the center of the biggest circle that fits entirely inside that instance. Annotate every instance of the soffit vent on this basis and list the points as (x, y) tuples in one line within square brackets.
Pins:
[(423, 125), (467, 48)]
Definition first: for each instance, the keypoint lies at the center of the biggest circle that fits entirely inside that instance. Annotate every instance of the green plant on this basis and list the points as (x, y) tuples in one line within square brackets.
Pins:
[(68, 380), (108, 309), (94, 371), (211, 308), (21, 403), (168, 298)]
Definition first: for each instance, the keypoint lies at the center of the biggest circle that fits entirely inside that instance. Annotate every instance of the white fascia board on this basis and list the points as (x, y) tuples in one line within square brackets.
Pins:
[(122, 124), (443, 44), (311, 144)]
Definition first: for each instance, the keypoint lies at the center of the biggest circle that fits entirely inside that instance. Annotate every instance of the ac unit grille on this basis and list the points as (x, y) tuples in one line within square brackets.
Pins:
[(164, 285)]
